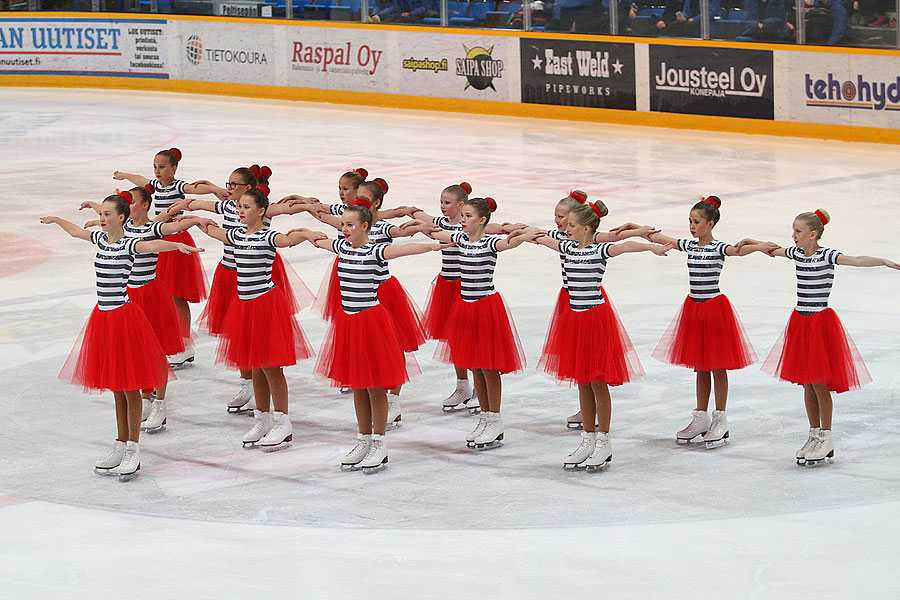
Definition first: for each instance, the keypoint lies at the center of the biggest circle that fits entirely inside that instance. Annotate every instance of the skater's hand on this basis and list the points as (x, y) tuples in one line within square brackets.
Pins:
[(745, 242), (442, 246), (188, 249), (661, 249), (92, 223), (119, 175), (50, 220)]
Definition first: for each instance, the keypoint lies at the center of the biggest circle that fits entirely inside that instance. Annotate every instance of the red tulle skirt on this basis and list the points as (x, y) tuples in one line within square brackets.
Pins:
[(560, 312), (590, 345), (328, 300), (117, 351), (261, 333), (182, 273), (167, 322), (482, 335), (362, 350), (222, 293), (407, 316), (706, 336), (817, 349), (298, 295), (444, 294)]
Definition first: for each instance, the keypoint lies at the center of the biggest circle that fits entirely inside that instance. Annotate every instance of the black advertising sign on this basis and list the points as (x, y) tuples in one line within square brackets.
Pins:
[(569, 73), (712, 81)]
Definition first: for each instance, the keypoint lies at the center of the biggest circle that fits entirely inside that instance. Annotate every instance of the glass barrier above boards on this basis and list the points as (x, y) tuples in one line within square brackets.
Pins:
[(858, 23)]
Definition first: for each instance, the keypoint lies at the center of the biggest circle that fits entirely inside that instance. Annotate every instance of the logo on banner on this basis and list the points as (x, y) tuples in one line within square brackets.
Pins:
[(194, 49), (570, 73), (342, 58), (425, 64), (196, 54), (861, 93), (479, 68), (721, 82), (709, 82)]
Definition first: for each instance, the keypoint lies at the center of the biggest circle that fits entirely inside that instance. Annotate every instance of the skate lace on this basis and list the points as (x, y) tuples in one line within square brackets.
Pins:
[(128, 457)]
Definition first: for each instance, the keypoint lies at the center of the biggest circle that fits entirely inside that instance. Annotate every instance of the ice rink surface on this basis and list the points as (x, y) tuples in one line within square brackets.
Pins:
[(207, 519)]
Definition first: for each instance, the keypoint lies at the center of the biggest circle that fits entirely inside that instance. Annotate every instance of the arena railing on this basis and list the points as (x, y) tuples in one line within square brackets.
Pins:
[(854, 23)]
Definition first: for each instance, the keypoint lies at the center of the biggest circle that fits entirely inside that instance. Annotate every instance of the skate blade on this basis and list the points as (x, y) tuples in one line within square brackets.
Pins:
[(250, 445), (475, 411), (801, 461), (601, 467), (123, 477), (574, 466), (717, 444), (346, 390), (813, 463), (574, 425), (447, 408), (379, 467), (686, 441), (104, 472), (395, 424), (152, 430), (240, 410), (182, 365), (350, 468), (489, 445)]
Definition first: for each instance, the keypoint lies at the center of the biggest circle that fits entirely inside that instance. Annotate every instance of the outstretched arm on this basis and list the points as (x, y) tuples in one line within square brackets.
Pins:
[(745, 249), (625, 231), (397, 212), (298, 236), (436, 233), (658, 238), (138, 180), (71, 228), (204, 187), (420, 215), (411, 228), (95, 206), (214, 231), (545, 240), (775, 250), (185, 224), (164, 246), (517, 239), (325, 243), (399, 250), (866, 261), (627, 247)]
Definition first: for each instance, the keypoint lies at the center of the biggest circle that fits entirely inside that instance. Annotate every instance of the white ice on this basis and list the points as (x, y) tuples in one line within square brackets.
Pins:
[(206, 519)]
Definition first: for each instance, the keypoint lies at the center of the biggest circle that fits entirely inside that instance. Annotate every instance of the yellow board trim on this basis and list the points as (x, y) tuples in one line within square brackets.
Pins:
[(573, 113)]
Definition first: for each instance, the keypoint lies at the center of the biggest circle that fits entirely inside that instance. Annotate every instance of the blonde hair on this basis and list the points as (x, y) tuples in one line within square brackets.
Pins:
[(816, 222), (584, 214)]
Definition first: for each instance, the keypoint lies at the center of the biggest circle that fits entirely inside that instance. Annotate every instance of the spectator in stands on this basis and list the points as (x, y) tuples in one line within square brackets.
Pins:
[(681, 18), (407, 11), (833, 11), (590, 16), (765, 21)]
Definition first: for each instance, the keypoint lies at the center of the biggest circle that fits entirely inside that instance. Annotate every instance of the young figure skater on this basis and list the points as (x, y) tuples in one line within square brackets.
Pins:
[(815, 350), (589, 345), (561, 212), (117, 349), (259, 333), (707, 335), (391, 294), (145, 290), (224, 286), (480, 332), (445, 288), (182, 274), (378, 364)]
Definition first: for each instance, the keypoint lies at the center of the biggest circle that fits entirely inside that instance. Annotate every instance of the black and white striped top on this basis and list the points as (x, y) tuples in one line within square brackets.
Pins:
[(166, 196), (253, 254), (338, 210), (381, 234), (560, 236), (112, 265), (476, 264), (815, 276), (358, 270), (230, 220), (704, 267), (584, 268), (144, 269), (449, 256)]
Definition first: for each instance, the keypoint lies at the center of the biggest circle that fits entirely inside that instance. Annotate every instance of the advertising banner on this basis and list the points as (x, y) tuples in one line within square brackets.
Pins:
[(458, 66), (338, 58), (721, 82), (569, 73), (106, 47), (855, 90), (226, 52)]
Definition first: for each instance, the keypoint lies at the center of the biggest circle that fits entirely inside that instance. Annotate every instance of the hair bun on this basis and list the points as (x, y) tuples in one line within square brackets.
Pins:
[(255, 169), (360, 201), (714, 200), (579, 196), (149, 187), (823, 215), (177, 152), (382, 184), (265, 172), (599, 209), (362, 173), (125, 195), (466, 186), (264, 189), (492, 204)]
